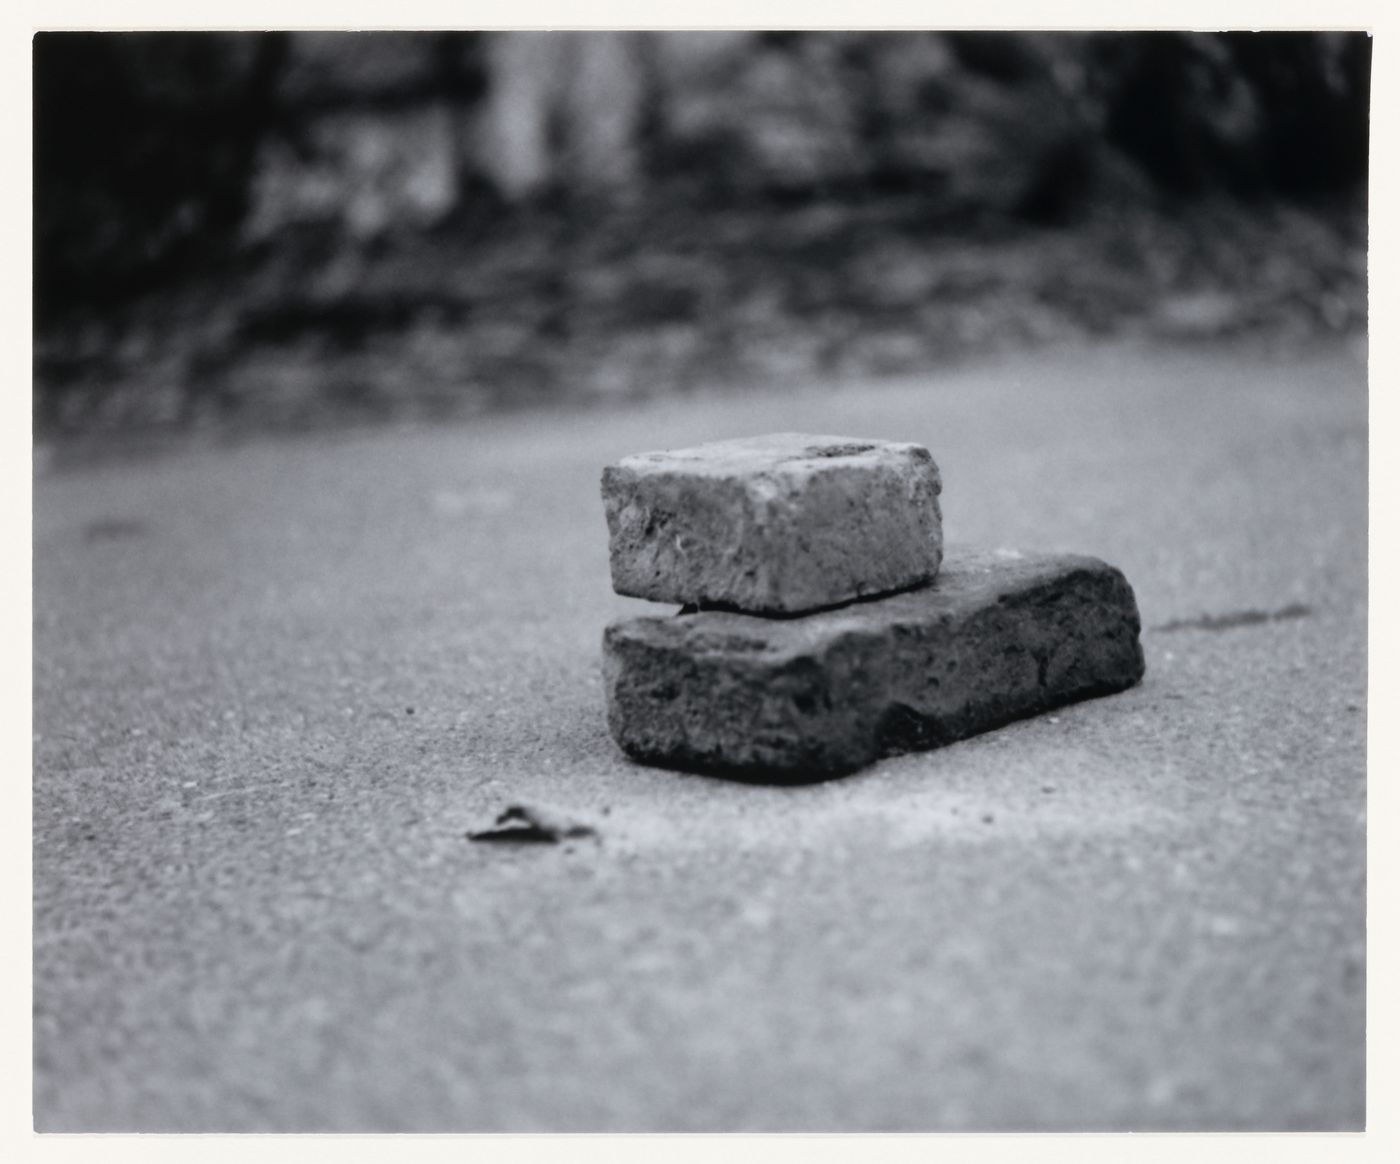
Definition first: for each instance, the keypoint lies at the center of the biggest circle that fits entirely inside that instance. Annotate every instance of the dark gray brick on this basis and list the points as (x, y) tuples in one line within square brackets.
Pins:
[(996, 638)]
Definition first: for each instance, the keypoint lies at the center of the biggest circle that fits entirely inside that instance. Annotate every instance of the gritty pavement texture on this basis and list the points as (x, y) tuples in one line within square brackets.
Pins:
[(997, 637), (781, 523), (277, 686)]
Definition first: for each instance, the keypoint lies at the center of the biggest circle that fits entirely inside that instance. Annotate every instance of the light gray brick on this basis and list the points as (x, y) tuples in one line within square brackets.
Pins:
[(777, 524)]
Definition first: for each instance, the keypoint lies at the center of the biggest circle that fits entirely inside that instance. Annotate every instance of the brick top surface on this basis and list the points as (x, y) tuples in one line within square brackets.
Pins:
[(971, 579), (780, 452)]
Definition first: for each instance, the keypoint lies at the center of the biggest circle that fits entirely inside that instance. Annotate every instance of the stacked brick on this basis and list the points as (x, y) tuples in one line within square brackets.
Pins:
[(821, 625)]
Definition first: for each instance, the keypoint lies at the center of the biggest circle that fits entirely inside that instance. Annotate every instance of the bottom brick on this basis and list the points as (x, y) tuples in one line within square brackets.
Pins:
[(996, 638)]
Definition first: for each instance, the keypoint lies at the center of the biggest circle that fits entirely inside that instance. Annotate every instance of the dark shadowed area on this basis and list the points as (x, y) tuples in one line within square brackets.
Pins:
[(335, 334)]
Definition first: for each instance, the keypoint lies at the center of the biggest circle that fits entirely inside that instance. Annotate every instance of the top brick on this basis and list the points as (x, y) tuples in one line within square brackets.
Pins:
[(778, 524)]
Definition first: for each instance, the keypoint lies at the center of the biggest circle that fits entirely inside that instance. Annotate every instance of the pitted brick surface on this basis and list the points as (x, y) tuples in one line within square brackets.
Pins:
[(778, 524), (996, 638)]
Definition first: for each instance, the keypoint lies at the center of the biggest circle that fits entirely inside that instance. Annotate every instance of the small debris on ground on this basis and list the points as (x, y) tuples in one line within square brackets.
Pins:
[(1237, 618), (524, 825)]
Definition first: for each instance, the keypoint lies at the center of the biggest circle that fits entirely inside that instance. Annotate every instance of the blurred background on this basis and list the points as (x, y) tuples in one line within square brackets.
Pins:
[(253, 232)]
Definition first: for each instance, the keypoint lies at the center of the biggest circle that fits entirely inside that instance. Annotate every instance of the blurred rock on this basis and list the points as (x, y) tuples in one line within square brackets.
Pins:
[(1198, 314), (367, 172), (563, 107)]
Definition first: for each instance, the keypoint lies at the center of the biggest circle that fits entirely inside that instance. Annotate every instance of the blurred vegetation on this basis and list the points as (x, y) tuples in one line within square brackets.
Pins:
[(296, 229)]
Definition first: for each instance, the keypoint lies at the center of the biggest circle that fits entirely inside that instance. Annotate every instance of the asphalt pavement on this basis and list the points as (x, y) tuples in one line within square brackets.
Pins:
[(276, 686)]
